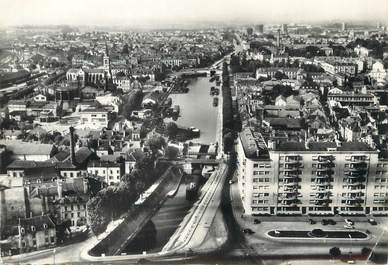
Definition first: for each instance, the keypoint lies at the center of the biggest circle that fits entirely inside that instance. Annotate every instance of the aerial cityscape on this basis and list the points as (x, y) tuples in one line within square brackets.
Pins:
[(174, 132)]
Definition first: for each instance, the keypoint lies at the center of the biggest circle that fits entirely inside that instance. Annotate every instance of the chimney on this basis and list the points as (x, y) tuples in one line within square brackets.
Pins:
[(85, 184), (59, 188), (72, 151)]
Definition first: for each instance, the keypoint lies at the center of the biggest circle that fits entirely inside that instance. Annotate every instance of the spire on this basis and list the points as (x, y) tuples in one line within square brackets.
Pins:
[(106, 49)]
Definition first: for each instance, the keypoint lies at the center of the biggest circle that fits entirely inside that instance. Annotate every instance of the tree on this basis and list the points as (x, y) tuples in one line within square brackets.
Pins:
[(156, 143), (131, 102), (172, 129), (97, 217), (279, 75), (172, 152), (228, 141), (335, 252)]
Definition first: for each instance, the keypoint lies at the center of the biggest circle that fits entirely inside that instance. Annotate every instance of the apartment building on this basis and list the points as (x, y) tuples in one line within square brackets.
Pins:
[(318, 178), (94, 118), (111, 172)]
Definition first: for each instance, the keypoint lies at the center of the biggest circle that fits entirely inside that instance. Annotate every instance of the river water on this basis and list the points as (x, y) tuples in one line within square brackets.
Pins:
[(196, 109)]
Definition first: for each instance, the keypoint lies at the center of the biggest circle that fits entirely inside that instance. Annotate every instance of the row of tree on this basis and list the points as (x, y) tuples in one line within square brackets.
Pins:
[(227, 110), (113, 201)]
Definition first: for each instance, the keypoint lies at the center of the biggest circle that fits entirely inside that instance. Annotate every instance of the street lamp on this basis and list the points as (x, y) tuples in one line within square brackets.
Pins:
[(54, 250), (350, 250)]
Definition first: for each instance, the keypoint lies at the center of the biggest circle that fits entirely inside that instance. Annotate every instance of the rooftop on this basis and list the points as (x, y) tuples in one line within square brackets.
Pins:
[(254, 145), (26, 148)]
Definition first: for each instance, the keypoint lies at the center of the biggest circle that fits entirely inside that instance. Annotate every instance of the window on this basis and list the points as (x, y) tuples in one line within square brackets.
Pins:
[(255, 165)]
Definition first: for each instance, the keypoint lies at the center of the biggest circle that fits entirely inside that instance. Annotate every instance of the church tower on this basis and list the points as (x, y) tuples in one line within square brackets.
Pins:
[(106, 62)]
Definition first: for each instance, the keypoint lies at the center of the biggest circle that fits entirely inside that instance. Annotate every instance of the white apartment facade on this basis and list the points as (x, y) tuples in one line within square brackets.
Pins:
[(318, 179)]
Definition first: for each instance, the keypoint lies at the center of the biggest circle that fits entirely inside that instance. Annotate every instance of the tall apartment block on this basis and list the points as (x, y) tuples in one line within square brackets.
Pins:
[(317, 178)]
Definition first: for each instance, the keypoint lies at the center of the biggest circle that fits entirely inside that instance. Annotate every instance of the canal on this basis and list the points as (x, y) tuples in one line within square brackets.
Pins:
[(162, 226), (196, 109)]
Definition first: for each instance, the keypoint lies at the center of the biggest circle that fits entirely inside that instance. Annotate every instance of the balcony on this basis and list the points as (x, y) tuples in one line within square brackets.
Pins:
[(291, 184), (354, 196), (294, 163), (289, 197), (352, 180), (357, 170), (358, 158), (291, 177), (324, 202), (324, 170), (326, 158), (355, 203), (292, 171), (292, 202), (323, 191), (354, 173), (291, 159)]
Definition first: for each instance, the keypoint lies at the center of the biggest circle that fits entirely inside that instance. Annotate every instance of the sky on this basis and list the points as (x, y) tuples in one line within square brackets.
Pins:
[(159, 12)]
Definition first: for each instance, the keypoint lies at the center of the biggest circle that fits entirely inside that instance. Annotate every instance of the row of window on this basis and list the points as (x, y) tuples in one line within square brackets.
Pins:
[(259, 201), (256, 180), (262, 165), (260, 173), (47, 240), (103, 171), (71, 174), (76, 207), (72, 215), (261, 187)]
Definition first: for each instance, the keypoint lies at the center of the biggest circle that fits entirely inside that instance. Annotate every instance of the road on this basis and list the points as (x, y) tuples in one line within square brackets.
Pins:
[(271, 247), (195, 226)]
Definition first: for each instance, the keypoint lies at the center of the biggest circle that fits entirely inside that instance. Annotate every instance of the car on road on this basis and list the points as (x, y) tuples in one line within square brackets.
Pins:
[(331, 222), (312, 221), (349, 222), (248, 231), (256, 221), (372, 221), (324, 222), (347, 226), (231, 182)]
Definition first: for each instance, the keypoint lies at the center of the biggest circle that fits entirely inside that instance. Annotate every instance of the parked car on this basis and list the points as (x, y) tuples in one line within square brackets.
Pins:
[(312, 221), (324, 222), (347, 226), (231, 182), (248, 231), (372, 221), (256, 221), (349, 222), (331, 222)]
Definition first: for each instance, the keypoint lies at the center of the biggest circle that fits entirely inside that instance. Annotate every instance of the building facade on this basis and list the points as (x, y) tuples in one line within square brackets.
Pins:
[(310, 178)]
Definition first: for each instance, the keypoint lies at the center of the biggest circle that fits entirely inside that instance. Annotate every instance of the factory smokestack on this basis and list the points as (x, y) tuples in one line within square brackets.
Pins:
[(72, 152)]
